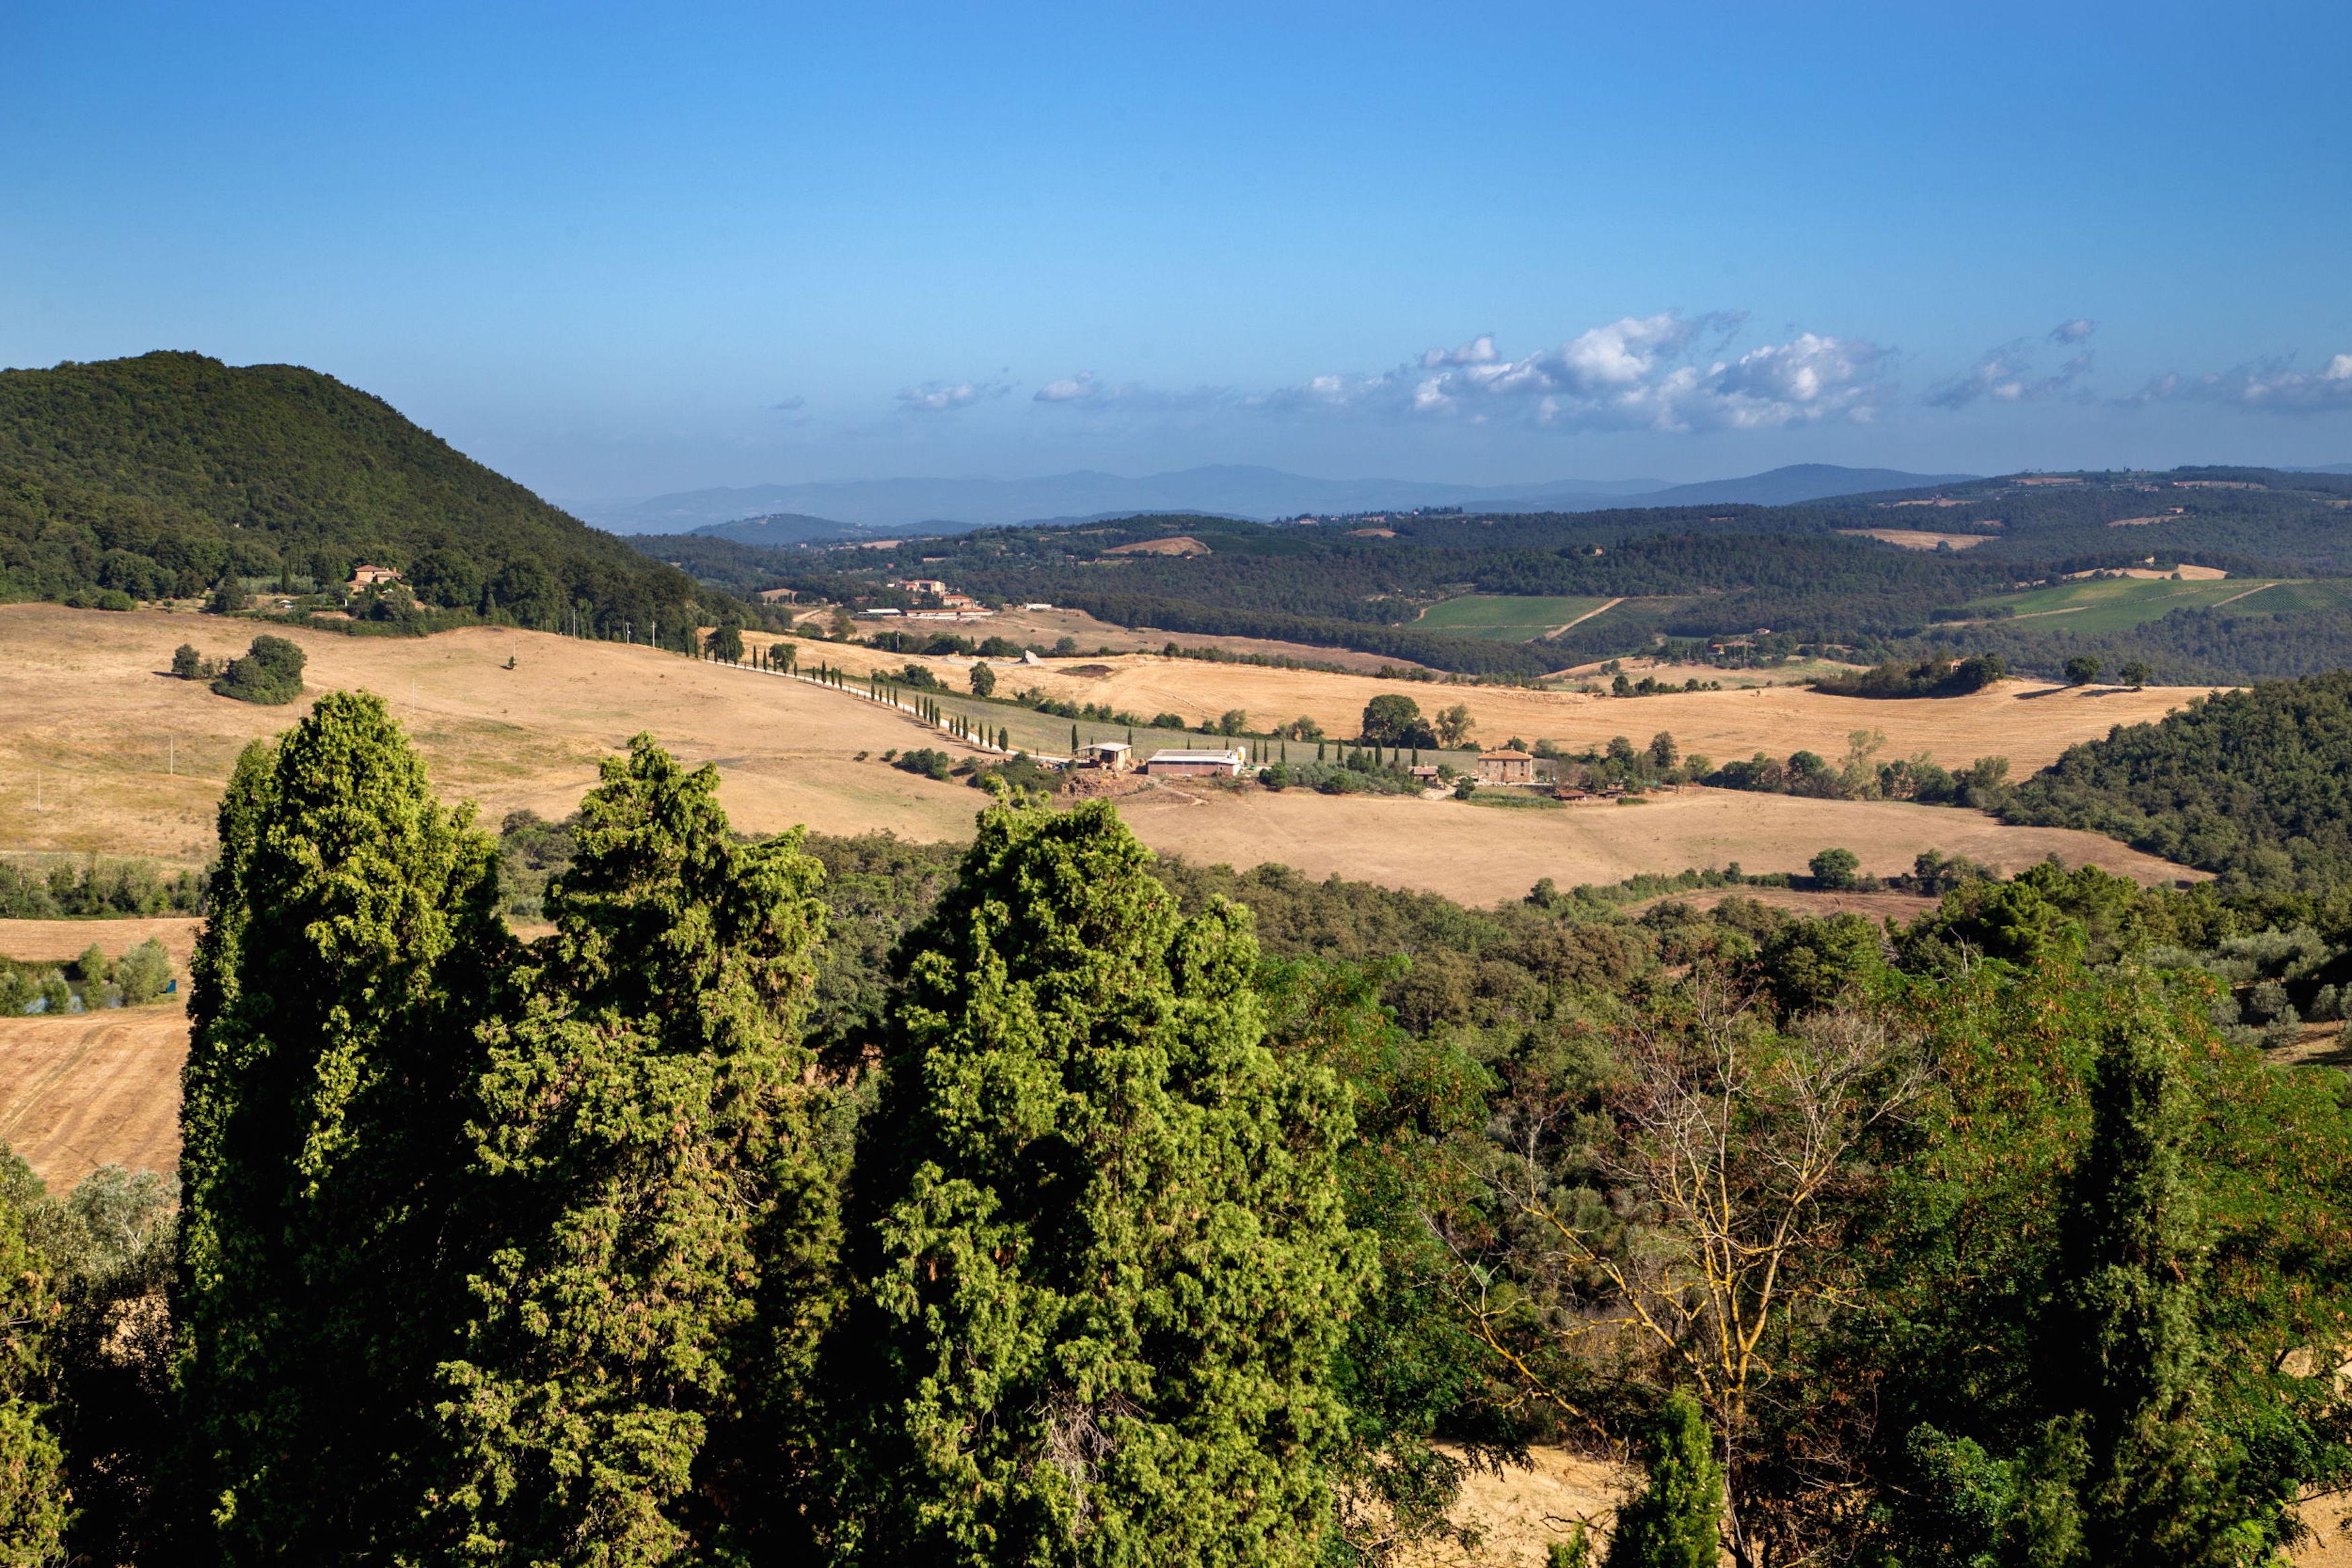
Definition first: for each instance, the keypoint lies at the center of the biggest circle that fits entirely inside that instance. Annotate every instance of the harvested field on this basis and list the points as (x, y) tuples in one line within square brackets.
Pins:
[(2027, 722), (1481, 857), (531, 736), (104, 755), (1919, 538), (1045, 627), (91, 1090), (55, 941)]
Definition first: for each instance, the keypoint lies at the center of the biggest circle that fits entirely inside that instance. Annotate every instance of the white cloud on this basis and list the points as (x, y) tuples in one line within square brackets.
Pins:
[(1070, 389), (2007, 374), (1638, 372), (1478, 351), (2272, 386), (942, 397)]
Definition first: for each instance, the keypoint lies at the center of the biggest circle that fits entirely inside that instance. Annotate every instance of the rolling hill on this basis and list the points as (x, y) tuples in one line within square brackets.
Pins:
[(158, 477)]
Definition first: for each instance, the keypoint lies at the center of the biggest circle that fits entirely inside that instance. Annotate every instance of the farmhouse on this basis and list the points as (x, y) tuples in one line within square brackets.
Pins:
[(920, 584), (1506, 768), (1111, 756), (1425, 774), (372, 577), (1194, 764)]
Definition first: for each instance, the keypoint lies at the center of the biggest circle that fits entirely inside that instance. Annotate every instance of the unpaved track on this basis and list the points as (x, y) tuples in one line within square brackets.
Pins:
[(89, 1090)]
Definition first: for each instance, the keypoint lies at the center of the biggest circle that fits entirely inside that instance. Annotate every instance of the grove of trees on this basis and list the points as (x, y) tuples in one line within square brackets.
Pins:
[(859, 1202)]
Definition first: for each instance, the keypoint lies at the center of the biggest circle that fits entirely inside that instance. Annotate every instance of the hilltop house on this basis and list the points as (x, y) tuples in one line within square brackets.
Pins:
[(367, 576), (1506, 768)]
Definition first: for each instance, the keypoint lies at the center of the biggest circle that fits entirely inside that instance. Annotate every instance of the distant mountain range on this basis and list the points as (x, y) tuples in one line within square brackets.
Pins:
[(787, 514)]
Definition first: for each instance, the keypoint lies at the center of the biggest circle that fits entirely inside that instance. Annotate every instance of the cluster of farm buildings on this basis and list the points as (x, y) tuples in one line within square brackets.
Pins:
[(1507, 768), (939, 602)]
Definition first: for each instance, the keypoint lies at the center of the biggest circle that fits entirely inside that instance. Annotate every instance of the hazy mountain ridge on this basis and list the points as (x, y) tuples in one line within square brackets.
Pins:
[(1229, 490)]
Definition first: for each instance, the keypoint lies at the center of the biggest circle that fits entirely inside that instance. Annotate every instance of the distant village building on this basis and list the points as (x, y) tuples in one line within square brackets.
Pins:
[(365, 577), (1194, 764), (1036, 607), (918, 584), (958, 602), (1506, 768), (1111, 756), (1425, 774)]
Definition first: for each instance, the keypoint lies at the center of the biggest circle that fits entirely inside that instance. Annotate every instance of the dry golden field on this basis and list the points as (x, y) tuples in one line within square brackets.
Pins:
[(100, 753), (1482, 855), (104, 755), (93, 1089), (2027, 722)]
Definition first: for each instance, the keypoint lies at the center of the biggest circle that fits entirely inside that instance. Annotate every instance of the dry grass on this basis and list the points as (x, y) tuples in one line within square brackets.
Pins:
[(55, 941), (93, 1089), (101, 754), (1480, 856), (2027, 722), (1045, 627)]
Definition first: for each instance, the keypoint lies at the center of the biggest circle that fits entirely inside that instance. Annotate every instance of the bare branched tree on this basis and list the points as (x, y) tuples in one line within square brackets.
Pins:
[(1670, 1247)]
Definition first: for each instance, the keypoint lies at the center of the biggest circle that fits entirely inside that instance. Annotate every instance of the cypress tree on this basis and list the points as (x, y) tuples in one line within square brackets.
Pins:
[(2152, 1479), (1110, 1260), (1673, 1522), (657, 1176), (352, 942)]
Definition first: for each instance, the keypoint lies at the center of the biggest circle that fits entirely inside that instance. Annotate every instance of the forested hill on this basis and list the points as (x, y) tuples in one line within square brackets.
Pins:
[(164, 475), (1834, 574), (2255, 785)]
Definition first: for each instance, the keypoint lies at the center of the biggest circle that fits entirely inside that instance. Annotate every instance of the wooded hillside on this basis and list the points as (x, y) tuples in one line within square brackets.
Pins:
[(162, 476)]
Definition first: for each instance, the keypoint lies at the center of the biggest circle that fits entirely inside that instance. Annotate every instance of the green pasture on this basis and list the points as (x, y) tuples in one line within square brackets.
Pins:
[(1505, 617), (2118, 604)]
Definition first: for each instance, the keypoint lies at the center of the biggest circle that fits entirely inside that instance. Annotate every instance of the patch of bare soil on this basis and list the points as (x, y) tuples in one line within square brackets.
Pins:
[(1919, 538), (1519, 1513)]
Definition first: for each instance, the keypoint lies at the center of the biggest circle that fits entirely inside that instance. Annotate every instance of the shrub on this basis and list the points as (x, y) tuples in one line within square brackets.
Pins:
[(269, 674)]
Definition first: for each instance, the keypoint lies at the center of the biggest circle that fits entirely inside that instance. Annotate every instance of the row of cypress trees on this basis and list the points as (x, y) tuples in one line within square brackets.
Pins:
[(565, 1251)]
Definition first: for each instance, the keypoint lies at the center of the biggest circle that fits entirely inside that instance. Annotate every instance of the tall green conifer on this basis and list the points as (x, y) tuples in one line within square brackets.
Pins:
[(350, 944), (1674, 1521), (1112, 1263), (656, 1173), (2153, 1479)]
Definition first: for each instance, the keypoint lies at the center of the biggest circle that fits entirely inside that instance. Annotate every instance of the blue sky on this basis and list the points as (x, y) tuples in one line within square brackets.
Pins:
[(615, 250)]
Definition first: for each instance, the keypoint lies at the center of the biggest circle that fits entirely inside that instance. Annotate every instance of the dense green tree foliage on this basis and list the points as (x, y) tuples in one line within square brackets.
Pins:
[(1690, 576), (2257, 785), (270, 672), (1173, 1230), (1111, 1256), (656, 1179), (170, 473), (33, 1493), (352, 946)]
